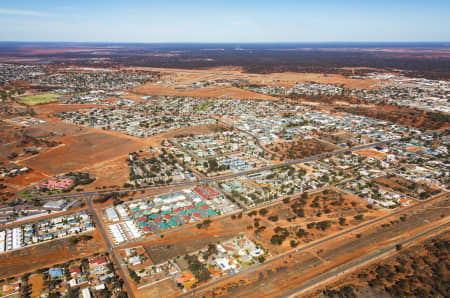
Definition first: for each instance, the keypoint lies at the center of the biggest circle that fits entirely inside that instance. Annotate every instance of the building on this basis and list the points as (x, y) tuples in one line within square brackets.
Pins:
[(112, 214), (85, 293)]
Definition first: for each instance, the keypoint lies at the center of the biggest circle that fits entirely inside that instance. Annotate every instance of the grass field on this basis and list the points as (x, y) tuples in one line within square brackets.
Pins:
[(39, 99), (25, 195)]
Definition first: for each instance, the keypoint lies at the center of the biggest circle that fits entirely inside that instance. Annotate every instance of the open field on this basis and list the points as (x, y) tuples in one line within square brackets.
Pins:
[(112, 172), (401, 115), (300, 148), (206, 92), (27, 179), (165, 288), (7, 149), (46, 254), (15, 141), (37, 99), (412, 189), (372, 153), (285, 79), (55, 130), (82, 151), (55, 108), (6, 194)]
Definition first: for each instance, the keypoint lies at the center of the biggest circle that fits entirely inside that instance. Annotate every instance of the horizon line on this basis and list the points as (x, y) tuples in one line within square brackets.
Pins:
[(224, 42)]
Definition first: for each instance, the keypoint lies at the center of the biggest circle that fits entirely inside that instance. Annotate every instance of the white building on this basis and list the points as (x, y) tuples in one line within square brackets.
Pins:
[(112, 214)]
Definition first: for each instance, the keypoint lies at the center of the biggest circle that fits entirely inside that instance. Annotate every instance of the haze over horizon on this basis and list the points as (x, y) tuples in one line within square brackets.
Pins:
[(225, 21)]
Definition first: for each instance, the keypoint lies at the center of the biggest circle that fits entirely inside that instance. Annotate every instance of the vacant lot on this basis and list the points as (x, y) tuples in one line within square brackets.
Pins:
[(82, 151), (6, 194), (55, 108), (286, 79), (26, 179), (165, 288), (207, 92), (15, 141), (410, 188), (54, 130), (113, 172), (39, 99), (339, 138), (300, 148), (372, 153), (402, 115)]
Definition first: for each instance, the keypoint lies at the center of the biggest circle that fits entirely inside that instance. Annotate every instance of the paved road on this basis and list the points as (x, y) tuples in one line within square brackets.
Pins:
[(342, 269), (230, 176), (445, 195), (109, 247)]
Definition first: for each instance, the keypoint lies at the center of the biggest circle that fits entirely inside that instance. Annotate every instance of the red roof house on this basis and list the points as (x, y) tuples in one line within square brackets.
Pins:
[(98, 261)]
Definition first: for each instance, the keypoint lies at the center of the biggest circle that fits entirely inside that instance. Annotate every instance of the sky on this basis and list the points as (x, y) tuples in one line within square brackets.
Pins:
[(224, 21)]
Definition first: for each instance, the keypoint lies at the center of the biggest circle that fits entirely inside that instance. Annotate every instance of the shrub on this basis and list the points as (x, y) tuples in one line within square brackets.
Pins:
[(273, 218), (323, 225), (359, 217)]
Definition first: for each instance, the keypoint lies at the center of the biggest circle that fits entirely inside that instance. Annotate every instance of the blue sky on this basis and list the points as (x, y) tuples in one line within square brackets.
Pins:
[(224, 21)]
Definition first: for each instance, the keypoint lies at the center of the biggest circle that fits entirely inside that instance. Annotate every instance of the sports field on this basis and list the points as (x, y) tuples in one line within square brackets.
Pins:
[(39, 99)]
